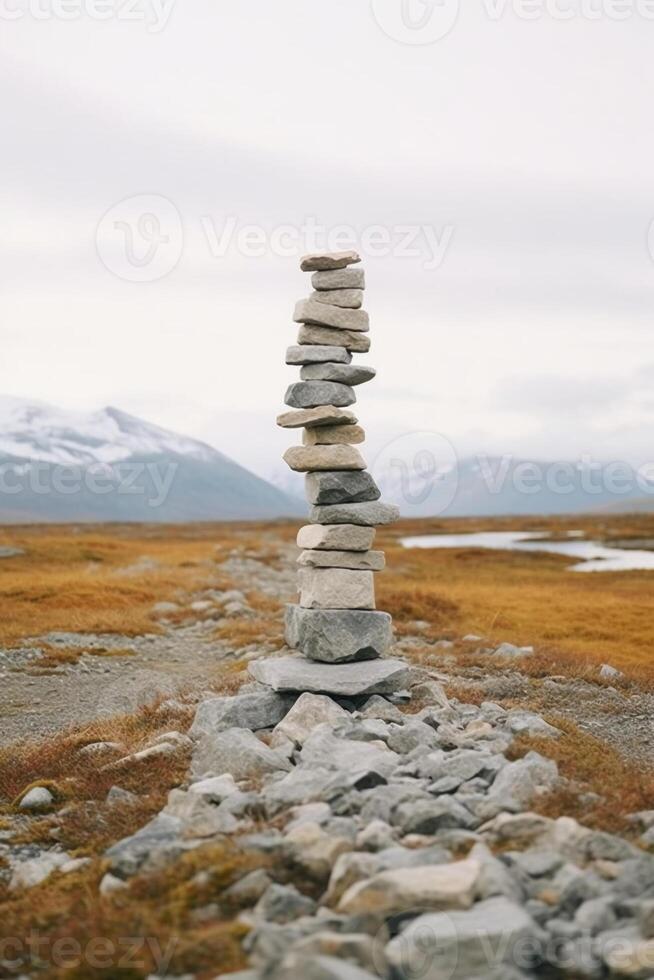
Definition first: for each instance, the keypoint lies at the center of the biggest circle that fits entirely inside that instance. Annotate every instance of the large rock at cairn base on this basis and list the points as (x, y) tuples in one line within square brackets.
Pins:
[(336, 588), (337, 537), (337, 636), (341, 487), (297, 673), (368, 514)]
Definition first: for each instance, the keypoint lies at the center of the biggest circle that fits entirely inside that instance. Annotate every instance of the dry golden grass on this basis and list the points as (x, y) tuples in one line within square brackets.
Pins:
[(526, 598), (594, 768), (89, 578), (156, 910)]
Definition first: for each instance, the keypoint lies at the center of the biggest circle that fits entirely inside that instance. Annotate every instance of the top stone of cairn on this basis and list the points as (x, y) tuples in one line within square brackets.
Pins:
[(322, 261)]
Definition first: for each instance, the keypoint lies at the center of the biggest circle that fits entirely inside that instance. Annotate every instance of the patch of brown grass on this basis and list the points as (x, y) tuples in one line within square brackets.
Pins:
[(157, 908), (592, 767)]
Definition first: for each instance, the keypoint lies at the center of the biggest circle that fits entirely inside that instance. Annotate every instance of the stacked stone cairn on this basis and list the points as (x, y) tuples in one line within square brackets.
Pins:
[(335, 621)]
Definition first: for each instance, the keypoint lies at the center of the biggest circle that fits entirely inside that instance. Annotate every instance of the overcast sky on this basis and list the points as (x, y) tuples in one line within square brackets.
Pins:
[(499, 179)]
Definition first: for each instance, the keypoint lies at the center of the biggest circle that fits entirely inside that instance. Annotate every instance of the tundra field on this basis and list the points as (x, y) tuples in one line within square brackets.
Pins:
[(113, 633)]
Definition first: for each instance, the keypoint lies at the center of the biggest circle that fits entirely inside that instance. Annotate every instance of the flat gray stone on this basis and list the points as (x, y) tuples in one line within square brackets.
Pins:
[(341, 487), (369, 514), (309, 711), (304, 459), (336, 537), (336, 636), (326, 315), (459, 945), (319, 261), (297, 673), (238, 752), (252, 711), (336, 588), (310, 417), (347, 374), (339, 279), (369, 561), (333, 435), (312, 394), (349, 299), (309, 333), (316, 354), (519, 782)]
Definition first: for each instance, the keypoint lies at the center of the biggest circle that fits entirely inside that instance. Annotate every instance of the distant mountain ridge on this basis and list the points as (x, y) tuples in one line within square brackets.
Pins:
[(57, 465)]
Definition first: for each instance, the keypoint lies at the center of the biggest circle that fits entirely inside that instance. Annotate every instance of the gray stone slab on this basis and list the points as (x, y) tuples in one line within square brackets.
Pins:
[(337, 537), (349, 299), (310, 417), (372, 561), (319, 261), (309, 333), (369, 514), (317, 354), (326, 315), (339, 279), (336, 636), (347, 374), (334, 435), (341, 487), (297, 673), (304, 459), (336, 588), (312, 394)]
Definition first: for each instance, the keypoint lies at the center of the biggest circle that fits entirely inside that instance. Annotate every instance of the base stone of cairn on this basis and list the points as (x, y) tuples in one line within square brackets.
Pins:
[(341, 638)]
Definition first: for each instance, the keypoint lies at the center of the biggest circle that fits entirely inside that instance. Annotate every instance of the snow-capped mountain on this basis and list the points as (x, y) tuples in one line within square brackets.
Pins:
[(57, 465)]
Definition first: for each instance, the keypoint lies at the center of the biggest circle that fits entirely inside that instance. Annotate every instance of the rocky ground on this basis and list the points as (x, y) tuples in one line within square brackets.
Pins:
[(394, 830)]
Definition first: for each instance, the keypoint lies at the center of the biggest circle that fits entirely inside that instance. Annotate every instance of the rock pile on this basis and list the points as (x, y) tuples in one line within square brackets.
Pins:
[(335, 621)]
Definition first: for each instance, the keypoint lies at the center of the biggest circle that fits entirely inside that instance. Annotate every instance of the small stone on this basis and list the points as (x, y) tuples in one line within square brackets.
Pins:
[(339, 279), (37, 798), (607, 672), (378, 707), (321, 261), (316, 354), (512, 652), (335, 537), (347, 374), (309, 711), (372, 561), (310, 417), (529, 723), (252, 711), (117, 796), (350, 299), (457, 945), (249, 889), (314, 850), (283, 903), (358, 343), (297, 673), (338, 636), (325, 315), (215, 789), (236, 751), (111, 884), (367, 514), (333, 435), (311, 394), (519, 782), (32, 872), (303, 459), (376, 836), (323, 749), (439, 887), (341, 487), (336, 588)]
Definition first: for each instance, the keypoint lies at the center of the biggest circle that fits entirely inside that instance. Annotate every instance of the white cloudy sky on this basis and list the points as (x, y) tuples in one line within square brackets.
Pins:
[(524, 147)]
